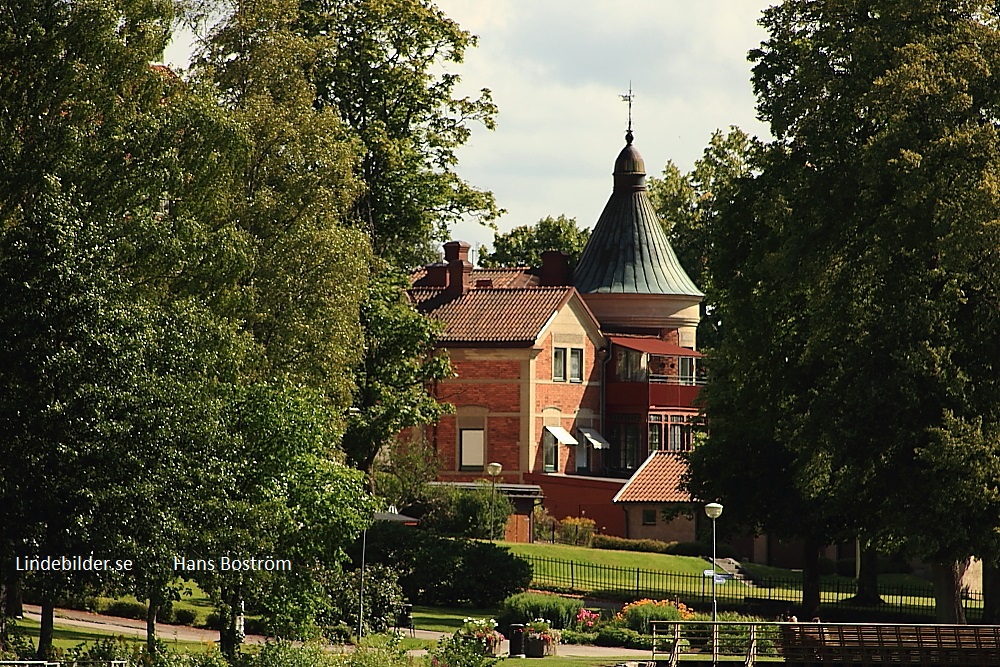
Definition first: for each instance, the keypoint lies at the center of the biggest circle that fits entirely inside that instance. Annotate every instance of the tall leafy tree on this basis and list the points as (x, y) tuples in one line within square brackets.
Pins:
[(384, 68), (524, 245), (869, 242), (396, 374), (689, 204)]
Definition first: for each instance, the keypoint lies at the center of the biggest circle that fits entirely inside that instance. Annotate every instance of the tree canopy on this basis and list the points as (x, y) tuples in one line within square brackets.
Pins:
[(524, 245), (856, 275), (383, 65)]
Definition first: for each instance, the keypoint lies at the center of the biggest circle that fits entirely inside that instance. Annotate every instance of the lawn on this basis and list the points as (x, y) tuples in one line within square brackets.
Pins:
[(624, 559), (65, 637)]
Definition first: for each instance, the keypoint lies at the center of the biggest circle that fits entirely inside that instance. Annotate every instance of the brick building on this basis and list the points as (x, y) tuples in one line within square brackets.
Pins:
[(569, 379)]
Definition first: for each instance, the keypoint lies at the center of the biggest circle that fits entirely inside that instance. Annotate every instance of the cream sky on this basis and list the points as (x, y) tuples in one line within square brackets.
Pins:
[(556, 69)]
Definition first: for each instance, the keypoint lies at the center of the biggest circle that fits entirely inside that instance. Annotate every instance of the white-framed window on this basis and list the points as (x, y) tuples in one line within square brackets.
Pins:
[(559, 364), (576, 365), (472, 448), (649, 517)]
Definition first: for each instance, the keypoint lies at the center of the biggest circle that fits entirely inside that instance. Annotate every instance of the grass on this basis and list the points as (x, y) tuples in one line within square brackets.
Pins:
[(560, 661), (446, 619), (65, 637), (626, 559)]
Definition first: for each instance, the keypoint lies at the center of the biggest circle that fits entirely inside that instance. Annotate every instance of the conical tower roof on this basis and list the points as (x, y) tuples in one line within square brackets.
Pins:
[(628, 251)]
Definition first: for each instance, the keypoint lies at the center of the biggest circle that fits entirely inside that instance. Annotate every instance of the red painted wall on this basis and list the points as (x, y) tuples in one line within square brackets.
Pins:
[(566, 495)]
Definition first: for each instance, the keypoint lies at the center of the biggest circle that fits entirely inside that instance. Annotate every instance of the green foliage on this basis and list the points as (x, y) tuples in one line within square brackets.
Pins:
[(636, 616), (383, 599), (576, 530), (703, 550), (524, 245), (525, 607), (401, 478), (611, 635), (476, 513), (439, 570), (184, 617), (626, 544), (460, 651), (134, 610), (399, 364), (372, 52), (545, 524), (688, 205), (287, 654), (863, 239)]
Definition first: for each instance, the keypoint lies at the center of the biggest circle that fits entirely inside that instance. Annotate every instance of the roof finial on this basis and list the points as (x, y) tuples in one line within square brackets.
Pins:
[(628, 98)]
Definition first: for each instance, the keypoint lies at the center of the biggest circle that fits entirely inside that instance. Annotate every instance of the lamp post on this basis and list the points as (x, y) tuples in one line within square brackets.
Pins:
[(714, 511), (494, 469)]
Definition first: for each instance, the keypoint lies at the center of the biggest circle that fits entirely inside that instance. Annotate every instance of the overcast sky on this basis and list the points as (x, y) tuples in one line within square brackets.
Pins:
[(557, 68)]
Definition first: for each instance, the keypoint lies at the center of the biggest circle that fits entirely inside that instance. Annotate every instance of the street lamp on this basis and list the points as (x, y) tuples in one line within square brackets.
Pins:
[(494, 469), (714, 511)]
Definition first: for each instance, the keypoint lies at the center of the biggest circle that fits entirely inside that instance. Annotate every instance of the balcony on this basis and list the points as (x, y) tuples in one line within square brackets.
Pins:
[(659, 391)]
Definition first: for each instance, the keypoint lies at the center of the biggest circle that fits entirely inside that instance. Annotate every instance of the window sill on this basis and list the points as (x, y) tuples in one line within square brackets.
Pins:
[(470, 468)]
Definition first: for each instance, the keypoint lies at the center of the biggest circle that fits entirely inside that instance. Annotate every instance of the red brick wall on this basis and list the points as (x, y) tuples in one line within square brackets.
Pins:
[(679, 529)]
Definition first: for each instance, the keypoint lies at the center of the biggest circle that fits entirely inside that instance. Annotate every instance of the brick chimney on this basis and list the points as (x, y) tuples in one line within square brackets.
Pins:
[(459, 276), (555, 269), (437, 275), (456, 250)]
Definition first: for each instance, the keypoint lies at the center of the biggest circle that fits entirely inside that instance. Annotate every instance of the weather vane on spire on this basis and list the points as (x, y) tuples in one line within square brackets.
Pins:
[(628, 98)]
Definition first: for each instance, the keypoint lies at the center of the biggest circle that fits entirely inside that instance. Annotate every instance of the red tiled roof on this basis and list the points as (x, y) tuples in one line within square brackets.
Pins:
[(491, 316), (656, 481), (517, 277)]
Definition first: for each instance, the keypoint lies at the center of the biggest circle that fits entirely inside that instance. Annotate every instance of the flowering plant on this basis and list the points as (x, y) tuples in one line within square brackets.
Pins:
[(483, 630), (542, 629), (586, 619)]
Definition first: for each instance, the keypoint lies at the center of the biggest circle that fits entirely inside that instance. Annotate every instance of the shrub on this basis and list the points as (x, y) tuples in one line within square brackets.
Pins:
[(526, 607), (637, 615), (383, 599), (574, 637), (611, 635), (545, 525), (624, 544), (285, 654), (734, 638), (123, 609), (185, 616), (576, 530), (439, 570), (826, 566), (476, 513), (457, 651)]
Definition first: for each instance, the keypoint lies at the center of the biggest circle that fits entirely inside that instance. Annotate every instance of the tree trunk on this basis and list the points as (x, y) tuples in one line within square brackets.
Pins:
[(810, 578), (948, 591), (991, 593), (151, 628), (868, 578), (230, 636), (45, 633)]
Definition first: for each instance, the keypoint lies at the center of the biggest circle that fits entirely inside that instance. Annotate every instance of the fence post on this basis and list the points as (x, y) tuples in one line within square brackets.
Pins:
[(637, 582), (572, 577)]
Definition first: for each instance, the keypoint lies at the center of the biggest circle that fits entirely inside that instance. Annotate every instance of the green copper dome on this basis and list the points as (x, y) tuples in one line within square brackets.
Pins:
[(628, 251)]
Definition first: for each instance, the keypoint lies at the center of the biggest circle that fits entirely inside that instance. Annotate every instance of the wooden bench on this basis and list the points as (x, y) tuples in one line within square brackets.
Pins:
[(885, 644)]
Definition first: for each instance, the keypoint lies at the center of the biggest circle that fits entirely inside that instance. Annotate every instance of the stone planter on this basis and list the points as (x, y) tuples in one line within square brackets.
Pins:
[(535, 647)]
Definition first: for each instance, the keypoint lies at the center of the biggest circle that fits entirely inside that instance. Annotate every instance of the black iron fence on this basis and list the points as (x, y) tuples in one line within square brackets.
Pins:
[(768, 597)]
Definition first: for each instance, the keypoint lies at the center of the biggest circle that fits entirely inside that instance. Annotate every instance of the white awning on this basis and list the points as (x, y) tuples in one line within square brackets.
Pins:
[(595, 439), (561, 435)]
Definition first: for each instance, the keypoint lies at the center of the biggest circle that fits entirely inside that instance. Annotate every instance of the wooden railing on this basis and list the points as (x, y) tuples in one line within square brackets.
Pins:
[(804, 644)]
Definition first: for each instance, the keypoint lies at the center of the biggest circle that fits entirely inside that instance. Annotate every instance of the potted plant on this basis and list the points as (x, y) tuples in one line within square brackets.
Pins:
[(540, 639), (482, 631)]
